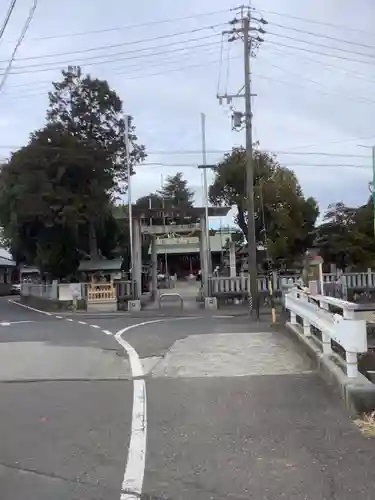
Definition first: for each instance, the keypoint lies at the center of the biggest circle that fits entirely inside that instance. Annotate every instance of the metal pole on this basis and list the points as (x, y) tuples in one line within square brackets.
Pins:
[(130, 209), (373, 184), (205, 188), (164, 223), (251, 238)]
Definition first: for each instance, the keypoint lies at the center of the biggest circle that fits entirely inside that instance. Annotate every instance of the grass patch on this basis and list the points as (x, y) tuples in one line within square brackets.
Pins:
[(366, 424)]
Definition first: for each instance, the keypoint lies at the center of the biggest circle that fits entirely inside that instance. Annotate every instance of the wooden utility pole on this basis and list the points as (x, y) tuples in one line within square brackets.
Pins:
[(244, 120)]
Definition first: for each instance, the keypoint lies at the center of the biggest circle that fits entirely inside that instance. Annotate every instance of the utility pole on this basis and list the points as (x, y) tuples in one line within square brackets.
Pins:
[(244, 120), (130, 208), (205, 188)]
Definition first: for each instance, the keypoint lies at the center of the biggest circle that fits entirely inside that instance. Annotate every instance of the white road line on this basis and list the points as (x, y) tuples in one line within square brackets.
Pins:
[(95, 326), (82, 322), (107, 332), (59, 317), (69, 319), (28, 307), (132, 484), (222, 316), (9, 323)]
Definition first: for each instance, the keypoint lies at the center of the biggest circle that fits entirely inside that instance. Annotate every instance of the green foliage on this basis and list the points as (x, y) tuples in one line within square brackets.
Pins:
[(48, 194), (175, 192), (89, 109), (152, 200), (282, 215), (57, 192), (346, 236)]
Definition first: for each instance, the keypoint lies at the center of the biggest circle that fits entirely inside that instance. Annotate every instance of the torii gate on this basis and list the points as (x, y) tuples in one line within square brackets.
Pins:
[(142, 223)]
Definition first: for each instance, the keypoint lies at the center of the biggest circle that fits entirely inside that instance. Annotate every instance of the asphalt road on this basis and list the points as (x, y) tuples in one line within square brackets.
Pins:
[(234, 411)]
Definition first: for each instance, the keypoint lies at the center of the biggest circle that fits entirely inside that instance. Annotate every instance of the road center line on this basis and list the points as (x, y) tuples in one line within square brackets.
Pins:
[(28, 307)]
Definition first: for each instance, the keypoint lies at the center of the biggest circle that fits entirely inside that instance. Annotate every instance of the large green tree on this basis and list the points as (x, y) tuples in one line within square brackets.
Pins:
[(90, 110), (48, 193), (57, 192), (284, 218), (176, 193), (346, 237)]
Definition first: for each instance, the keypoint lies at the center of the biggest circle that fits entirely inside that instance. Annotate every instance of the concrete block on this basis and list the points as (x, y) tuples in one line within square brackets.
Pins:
[(102, 306), (210, 303), (134, 305)]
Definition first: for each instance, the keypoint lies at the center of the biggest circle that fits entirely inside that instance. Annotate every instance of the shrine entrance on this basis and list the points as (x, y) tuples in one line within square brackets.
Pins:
[(188, 225)]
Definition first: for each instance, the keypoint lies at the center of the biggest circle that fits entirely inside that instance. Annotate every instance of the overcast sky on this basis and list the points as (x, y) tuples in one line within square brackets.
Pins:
[(307, 102)]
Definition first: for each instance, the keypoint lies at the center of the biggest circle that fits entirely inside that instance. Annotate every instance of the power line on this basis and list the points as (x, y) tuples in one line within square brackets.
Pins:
[(116, 45), (295, 164), (202, 48), (321, 23), (92, 61), (327, 37), (322, 45), (222, 151), (341, 141), (311, 51), (46, 85), (310, 80), (7, 17), (130, 26), (18, 44), (207, 63), (146, 75), (135, 76), (351, 73)]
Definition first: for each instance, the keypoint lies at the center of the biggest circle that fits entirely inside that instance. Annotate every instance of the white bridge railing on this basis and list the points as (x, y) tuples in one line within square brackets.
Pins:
[(343, 328)]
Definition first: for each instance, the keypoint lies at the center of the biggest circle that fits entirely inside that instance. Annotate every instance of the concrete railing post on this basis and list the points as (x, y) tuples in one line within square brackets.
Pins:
[(351, 364), (293, 318), (306, 327)]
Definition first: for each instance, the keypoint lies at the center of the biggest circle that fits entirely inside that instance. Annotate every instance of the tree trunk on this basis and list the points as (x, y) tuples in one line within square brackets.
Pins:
[(93, 244)]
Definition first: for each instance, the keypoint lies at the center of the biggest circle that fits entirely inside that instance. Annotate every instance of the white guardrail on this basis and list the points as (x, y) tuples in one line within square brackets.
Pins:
[(347, 331)]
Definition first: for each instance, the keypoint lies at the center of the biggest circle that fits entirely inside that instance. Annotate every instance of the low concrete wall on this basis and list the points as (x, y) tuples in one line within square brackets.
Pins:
[(51, 305), (5, 289), (358, 393)]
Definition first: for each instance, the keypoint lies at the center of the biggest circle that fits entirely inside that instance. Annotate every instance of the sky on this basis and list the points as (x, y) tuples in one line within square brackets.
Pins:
[(312, 79)]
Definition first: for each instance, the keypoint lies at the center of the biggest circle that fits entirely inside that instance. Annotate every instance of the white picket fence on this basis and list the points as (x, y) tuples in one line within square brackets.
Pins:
[(347, 331)]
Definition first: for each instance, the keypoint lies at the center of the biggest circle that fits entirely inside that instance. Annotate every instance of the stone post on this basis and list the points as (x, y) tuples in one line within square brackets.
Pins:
[(137, 258), (154, 268), (232, 260)]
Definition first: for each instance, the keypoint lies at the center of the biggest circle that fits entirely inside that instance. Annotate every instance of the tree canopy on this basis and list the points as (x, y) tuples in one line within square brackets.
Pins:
[(57, 192), (283, 216), (175, 192), (90, 110), (346, 236)]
